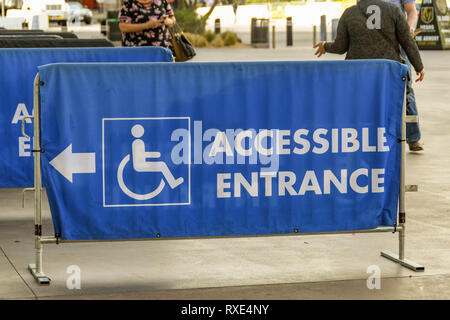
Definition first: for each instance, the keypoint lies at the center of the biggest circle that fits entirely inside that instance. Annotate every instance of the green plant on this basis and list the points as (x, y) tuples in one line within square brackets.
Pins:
[(217, 42), (229, 38), (200, 41), (189, 20), (197, 40), (209, 35), (190, 37)]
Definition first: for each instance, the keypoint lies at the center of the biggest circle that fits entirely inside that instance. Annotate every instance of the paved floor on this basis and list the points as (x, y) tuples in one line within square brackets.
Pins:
[(299, 267)]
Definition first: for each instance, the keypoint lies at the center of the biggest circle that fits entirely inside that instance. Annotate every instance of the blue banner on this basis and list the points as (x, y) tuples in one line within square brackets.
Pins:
[(18, 69), (219, 149)]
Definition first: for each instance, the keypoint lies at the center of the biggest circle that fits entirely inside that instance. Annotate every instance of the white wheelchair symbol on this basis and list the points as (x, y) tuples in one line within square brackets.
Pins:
[(140, 164)]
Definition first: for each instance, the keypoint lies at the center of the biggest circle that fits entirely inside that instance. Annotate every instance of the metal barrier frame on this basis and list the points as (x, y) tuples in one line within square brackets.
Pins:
[(37, 269)]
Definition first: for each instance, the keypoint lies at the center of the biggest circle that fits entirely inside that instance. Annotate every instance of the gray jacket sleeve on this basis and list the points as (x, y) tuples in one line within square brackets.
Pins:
[(341, 43), (406, 41)]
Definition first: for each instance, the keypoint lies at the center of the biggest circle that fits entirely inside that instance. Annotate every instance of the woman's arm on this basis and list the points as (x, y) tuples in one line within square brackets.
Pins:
[(169, 19), (134, 27)]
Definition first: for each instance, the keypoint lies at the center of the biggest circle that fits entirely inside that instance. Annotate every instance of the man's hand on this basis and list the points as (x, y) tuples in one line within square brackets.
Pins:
[(320, 48), (420, 75), (417, 31)]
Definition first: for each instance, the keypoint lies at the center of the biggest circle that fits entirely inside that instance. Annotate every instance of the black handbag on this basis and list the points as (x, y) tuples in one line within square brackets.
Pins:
[(184, 50)]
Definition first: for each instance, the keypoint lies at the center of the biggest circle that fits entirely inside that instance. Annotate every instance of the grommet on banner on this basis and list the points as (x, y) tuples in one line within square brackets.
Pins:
[(158, 235), (296, 230), (403, 78), (41, 83)]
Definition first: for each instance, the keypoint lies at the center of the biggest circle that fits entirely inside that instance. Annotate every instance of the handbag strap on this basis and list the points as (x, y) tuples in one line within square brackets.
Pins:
[(175, 29)]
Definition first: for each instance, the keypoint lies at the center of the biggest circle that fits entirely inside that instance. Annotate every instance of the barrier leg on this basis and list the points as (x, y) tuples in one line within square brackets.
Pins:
[(400, 257), (36, 269)]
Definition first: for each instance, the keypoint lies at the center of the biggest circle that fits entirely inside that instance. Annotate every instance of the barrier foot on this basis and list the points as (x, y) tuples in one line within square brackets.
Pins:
[(403, 262), (40, 277)]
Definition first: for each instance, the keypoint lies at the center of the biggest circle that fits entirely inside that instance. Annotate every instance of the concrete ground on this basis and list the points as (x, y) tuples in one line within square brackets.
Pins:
[(297, 267)]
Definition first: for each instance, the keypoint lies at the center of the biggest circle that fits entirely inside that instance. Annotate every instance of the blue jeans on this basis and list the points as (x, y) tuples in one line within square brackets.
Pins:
[(412, 129)]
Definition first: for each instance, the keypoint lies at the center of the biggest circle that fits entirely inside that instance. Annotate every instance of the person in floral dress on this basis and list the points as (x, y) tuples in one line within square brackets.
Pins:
[(145, 22)]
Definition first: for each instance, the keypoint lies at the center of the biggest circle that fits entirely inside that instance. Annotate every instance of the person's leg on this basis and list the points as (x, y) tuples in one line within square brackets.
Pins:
[(412, 128)]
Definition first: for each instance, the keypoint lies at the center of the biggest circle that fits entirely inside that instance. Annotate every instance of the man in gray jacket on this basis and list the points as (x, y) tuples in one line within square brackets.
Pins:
[(374, 29)]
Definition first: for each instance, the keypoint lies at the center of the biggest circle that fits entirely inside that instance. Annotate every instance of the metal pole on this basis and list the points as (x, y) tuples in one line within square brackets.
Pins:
[(252, 30), (400, 257), (273, 37), (50, 239), (401, 242), (323, 28), (314, 35), (401, 200), (3, 8), (289, 32), (217, 26), (334, 26), (64, 26), (36, 270), (37, 178)]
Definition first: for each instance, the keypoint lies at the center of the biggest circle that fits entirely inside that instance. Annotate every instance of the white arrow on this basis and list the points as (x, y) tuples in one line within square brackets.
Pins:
[(68, 163)]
